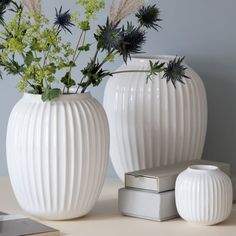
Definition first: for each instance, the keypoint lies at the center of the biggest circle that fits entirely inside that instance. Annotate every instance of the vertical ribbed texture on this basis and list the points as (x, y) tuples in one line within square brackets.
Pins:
[(204, 196), (154, 124), (57, 154)]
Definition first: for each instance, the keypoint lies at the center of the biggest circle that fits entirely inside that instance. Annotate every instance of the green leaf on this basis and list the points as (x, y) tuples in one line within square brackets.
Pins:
[(34, 44), (37, 59), (29, 58), (94, 73), (54, 93), (155, 68), (85, 47), (71, 64), (49, 94), (12, 67), (67, 80), (53, 68), (37, 89), (110, 58)]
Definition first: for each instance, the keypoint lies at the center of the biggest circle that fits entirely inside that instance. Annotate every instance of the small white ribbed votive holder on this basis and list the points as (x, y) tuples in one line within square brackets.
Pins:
[(204, 195)]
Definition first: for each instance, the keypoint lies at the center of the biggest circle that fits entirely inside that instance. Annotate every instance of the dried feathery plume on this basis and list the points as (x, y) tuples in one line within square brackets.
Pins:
[(33, 6), (120, 9)]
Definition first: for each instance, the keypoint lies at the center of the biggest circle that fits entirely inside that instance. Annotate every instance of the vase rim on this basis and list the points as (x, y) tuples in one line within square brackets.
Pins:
[(153, 57), (63, 97), (203, 168)]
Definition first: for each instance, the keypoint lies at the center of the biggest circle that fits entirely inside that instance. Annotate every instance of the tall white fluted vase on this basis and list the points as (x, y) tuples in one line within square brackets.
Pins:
[(57, 154), (153, 123)]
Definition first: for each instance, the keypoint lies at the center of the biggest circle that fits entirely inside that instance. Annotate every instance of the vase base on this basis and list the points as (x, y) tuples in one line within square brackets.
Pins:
[(57, 216)]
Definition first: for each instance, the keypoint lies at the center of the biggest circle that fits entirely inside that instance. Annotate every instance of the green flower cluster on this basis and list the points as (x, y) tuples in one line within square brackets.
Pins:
[(91, 8), (32, 48), (38, 48)]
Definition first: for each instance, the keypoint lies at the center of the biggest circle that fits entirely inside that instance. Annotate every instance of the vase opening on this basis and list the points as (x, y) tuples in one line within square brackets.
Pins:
[(154, 57), (63, 97), (203, 168)]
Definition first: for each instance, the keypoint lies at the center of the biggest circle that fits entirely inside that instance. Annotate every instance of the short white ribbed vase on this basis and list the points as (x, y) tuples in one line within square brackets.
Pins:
[(57, 154), (204, 195), (154, 124)]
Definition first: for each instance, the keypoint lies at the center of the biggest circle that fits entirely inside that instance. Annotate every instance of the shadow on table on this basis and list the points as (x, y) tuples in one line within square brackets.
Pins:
[(230, 221), (103, 210), (107, 209)]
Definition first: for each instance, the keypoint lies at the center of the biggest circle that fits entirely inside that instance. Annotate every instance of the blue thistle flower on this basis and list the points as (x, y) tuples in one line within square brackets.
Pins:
[(109, 36), (63, 20), (133, 40), (175, 71), (149, 16)]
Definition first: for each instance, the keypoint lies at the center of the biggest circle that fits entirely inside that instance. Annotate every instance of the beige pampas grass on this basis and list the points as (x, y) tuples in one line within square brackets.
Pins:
[(33, 6), (120, 9)]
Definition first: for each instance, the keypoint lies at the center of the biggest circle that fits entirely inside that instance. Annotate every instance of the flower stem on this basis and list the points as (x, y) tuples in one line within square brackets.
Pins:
[(86, 86), (105, 59), (76, 58), (77, 90), (88, 81), (77, 47)]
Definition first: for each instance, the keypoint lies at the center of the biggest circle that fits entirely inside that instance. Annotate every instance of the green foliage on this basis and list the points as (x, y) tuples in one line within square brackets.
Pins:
[(12, 67), (38, 47), (29, 58), (68, 81), (49, 94), (84, 25), (155, 68), (94, 74), (85, 47), (32, 47)]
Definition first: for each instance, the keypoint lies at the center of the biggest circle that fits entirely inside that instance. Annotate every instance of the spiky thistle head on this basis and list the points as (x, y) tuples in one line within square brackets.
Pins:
[(94, 74), (2, 12), (175, 71), (109, 36), (3, 5), (133, 40), (63, 20), (149, 16)]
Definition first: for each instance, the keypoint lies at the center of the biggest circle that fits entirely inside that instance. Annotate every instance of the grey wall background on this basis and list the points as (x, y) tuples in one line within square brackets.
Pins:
[(204, 31)]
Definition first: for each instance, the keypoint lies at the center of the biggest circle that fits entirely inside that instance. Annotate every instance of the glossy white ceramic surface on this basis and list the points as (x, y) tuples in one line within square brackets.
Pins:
[(57, 154), (204, 195), (154, 124)]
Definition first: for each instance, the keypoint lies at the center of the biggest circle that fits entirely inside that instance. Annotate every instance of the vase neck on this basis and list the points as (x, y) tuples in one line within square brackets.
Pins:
[(29, 97), (203, 168)]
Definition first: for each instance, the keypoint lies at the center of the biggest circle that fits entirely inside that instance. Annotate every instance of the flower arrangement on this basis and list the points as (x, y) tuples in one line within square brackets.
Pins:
[(33, 48)]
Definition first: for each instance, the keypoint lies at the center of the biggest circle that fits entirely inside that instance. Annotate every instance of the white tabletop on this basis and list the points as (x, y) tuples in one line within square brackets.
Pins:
[(105, 220)]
